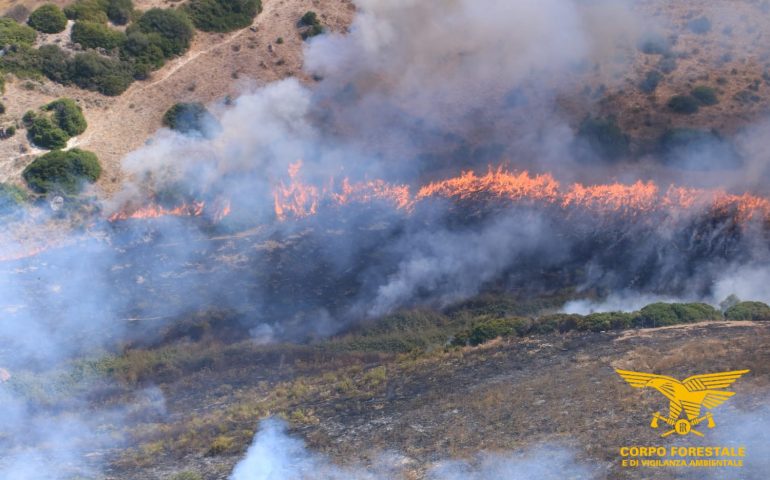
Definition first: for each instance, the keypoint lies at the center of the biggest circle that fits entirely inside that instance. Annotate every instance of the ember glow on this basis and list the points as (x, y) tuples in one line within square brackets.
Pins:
[(297, 199)]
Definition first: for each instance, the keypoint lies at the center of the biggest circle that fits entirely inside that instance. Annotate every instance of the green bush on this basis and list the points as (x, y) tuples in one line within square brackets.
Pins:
[(705, 95), (65, 171), (600, 322), (605, 137), (9, 132), (11, 196), (48, 19), (92, 71), (120, 12), (487, 330), (223, 15), (664, 314), (54, 63), (13, 33), (144, 52), (700, 25), (45, 134), (556, 322), (684, 104), (310, 25), (2, 108), (186, 475), (22, 61), (187, 117), (748, 311), (96, 35), (173, 28), (651, 81), (88, 11), (68, 116)]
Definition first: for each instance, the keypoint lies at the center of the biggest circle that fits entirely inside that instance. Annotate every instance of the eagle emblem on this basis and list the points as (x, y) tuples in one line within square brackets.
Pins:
[(690, 395)]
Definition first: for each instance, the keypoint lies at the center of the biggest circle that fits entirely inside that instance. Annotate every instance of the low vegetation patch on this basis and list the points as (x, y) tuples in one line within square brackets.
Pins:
[(223, 15), (11, 197), (60, 120), (604, 137), (14, 33), (684, 104), (188, 118), (97, 35), (310, 25), (748, 311), (87, 10), (62, 171), (705, 95), (48, 19)]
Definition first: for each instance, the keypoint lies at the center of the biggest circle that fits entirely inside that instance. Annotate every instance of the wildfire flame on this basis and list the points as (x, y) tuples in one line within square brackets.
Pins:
[(298, 199), (220, 210)]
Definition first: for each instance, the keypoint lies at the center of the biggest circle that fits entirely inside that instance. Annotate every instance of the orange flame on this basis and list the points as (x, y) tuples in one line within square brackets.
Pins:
[(298, 199)]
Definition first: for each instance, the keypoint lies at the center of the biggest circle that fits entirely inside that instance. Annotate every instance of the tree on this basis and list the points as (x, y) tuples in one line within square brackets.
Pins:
[(48, 19), (120, 11), (92, 71), (68, 116), (54, 63), (705, 95), (65, 171), (96, 35), (13, 33), (45, 134), (173, 28), (88, 10), (223, 15), (187, 117), (684, 104)]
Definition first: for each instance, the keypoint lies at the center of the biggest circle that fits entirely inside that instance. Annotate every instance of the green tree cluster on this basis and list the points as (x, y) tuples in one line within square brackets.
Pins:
[(62, 171)]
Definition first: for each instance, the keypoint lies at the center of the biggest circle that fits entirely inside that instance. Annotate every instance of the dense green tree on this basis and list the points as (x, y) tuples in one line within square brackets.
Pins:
[(48, 19), (65, 171), (44, 133), (173, 27), (223, 15), (120, 11), (97, 35), (14, 33), (68, 116)]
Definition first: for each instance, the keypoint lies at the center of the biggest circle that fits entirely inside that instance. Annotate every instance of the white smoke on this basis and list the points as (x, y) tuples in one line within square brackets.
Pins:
[(275, 455)]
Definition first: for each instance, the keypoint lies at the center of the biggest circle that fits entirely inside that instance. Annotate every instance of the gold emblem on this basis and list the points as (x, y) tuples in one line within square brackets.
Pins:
[(689, 395)]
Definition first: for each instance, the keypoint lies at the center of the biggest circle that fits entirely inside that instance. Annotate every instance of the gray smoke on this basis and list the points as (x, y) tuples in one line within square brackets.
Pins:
[(275, 455)]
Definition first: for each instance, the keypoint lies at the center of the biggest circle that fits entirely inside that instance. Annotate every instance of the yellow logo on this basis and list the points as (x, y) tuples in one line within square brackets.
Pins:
[(689, 395)]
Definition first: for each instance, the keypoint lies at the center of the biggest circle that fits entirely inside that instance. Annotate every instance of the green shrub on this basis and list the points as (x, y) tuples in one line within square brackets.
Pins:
[(187, 117), (144, 52), (748, 311), (68, 116), (92, 71), (664, 314), (45, 134), (604, 136), (310, 25), (603, 321), (54, 63), (88, 11), (173, 27), (186, 475), (65, 171), (9, 132), (11, 196), (2, 108), (651, 81), (223, 15), (120, 12), (48, 19), (22, 61), (556, 322), (700, 25), (705, 95), (684, 104), (13, 33), (96, 35), (654, 44), (487, 330)]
